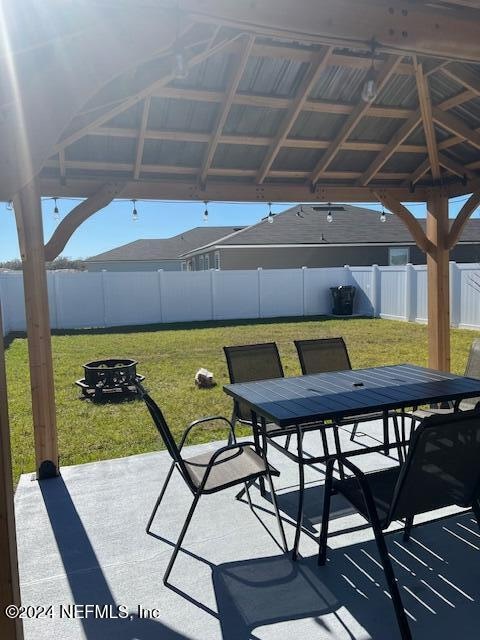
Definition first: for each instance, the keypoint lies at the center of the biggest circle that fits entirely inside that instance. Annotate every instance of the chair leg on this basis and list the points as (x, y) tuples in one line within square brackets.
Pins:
[(391, 582), (354, 431), (397, 436), (159, 499), (386, 437), (408, 528), (476, 511), (246, 490), (287, 441), (180, 538), (301, 494), (277, 512), (327, 496)]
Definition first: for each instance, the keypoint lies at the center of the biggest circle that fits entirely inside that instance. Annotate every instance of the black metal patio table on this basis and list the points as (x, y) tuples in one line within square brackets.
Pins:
[(315, 399)]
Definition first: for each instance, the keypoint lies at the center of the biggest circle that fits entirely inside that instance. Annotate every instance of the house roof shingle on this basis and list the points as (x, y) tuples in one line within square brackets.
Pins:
[(165, 248), (307, 224)]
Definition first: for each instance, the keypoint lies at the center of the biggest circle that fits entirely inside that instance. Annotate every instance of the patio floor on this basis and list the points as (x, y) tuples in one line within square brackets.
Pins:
[(81, 540)]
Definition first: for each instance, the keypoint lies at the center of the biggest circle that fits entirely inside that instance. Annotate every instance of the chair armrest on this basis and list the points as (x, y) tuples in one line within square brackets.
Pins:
[(203, 421)]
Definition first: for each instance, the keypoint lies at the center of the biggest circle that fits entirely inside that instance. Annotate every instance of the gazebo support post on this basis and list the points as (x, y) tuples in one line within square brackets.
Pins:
[(438, 281), (28, 214), (10, 629)]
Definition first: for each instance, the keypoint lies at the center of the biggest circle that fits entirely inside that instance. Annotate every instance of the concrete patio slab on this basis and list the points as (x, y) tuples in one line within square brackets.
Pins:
[(82, 542)]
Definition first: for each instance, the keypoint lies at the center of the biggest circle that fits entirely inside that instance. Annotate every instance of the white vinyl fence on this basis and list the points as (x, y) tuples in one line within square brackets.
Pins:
[(108, 299)]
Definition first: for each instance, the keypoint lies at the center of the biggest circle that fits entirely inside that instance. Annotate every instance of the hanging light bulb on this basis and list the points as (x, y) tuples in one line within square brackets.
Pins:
[(270, 214), (383, 217), (205, 213), (299, 214), (134, 211), (329, 214), (56, 212), (9, 205), (370, 86), (180, 70)]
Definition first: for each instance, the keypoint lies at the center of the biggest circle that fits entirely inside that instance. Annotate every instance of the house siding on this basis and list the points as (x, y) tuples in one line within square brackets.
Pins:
[(296, 257)]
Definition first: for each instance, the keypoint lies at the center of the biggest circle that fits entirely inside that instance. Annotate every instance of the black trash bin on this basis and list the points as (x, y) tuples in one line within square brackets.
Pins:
[(343, 297)]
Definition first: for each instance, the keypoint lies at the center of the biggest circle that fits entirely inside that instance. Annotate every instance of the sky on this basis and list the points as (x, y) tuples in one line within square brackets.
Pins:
[(113, 226)]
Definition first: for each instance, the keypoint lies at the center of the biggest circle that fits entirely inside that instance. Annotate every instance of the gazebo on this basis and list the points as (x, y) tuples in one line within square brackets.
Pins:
[(209, 100)]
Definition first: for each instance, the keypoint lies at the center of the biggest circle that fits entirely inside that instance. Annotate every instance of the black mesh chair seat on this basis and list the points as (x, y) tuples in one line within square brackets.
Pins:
[(442, 469), (229, 468), (382, 485), (366, 417)]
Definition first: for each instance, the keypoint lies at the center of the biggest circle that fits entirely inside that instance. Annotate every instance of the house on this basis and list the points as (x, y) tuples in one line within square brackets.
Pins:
[(324, 235), (154, 254)]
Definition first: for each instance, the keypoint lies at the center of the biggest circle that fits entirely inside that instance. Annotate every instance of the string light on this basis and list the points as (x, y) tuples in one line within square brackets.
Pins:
[(9, 205), (383, 217), (56, 212), (134, 211), (270, 214), (205, 213), (370, 87), (329, 214), (180, 68), (299, 214)]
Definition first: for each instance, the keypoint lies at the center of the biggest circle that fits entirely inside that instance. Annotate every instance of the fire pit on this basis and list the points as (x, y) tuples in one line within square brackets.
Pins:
[(109, 379)]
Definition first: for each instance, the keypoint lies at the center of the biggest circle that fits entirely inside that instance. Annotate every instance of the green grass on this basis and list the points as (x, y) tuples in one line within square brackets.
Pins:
[(169, 356)]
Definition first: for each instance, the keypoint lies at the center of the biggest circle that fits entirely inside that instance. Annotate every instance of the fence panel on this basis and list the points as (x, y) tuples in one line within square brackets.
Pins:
[(281, 292), (392, 292), (236, 294), (186, 296), (82, 300)]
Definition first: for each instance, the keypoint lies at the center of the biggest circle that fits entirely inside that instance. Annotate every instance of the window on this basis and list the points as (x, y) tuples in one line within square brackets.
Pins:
[(207, 262), (200, 263), (398, 256), (217, 259)]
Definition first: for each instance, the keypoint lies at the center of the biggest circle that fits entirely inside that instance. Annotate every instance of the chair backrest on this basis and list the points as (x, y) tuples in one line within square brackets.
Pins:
[(472, 370), (251, 362), (323, 355), (442, 466), (162, 426)]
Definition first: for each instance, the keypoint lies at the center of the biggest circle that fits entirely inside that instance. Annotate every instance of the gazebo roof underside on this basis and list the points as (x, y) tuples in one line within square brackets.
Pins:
[(262, 112)]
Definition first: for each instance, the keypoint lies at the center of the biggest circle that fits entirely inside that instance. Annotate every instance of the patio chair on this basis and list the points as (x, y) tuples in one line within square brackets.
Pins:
[(472, 370), (323, 355), (211, 472), (442, 469), (248, 363)]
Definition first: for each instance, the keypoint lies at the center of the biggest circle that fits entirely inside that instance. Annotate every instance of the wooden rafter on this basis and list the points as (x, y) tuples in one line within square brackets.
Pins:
[(455, 125), (419, 172), (464, 76), (213, 171), (386, 72), (226, 105), (462, 218), (240, 139), (61, 163), (310, 79), (163, 78), (62, 234), (141, 138), (395, 206), (455, 167), (275, 102), (425, 104), (405, 130)]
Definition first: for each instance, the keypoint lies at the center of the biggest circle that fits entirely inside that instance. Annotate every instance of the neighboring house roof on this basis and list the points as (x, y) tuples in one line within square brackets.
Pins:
[(164, 248), (308, 225)]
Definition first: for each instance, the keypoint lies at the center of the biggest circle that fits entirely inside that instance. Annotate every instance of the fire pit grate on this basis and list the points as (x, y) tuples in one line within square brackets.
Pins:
[(113, 378)]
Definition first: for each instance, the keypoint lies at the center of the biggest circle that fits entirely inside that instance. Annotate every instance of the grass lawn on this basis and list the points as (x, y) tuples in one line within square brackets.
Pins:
[(169, 356)]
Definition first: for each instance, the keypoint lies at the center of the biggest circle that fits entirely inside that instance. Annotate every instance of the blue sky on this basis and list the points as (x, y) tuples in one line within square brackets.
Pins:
[(113, 226)]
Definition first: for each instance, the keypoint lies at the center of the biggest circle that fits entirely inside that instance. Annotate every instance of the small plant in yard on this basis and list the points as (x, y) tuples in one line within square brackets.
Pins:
[(169, 357)]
